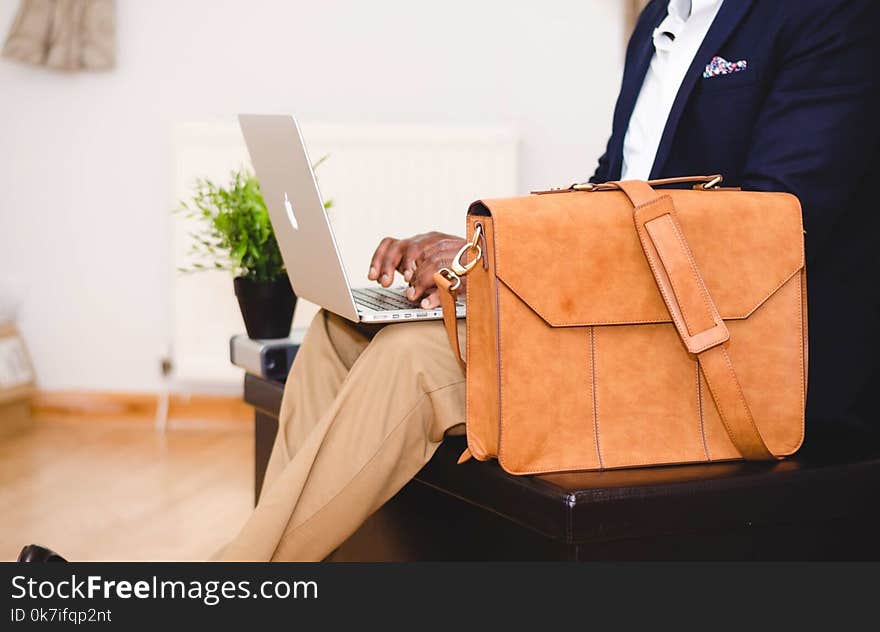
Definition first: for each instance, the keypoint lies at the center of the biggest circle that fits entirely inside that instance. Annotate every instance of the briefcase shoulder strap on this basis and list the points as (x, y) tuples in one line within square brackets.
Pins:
[(696, 318), (448, 284), (448, 287)]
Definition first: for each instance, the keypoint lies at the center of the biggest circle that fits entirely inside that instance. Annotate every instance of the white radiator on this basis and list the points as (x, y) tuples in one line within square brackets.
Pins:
[(394, 180)]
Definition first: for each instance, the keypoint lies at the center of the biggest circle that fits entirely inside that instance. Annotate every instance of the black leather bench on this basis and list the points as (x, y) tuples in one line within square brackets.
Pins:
[(822, 504)]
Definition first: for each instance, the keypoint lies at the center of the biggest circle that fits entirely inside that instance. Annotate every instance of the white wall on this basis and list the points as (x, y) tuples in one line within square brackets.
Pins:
[(85, 160)]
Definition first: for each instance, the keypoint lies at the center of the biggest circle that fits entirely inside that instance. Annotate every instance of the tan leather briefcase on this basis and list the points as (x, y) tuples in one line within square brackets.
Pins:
[(617, 325)]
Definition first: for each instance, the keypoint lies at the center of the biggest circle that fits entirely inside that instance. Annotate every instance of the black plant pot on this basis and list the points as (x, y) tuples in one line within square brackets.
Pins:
[(266, 306)]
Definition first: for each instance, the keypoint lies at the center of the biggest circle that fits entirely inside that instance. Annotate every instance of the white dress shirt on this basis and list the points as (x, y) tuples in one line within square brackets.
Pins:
[(676, 41)]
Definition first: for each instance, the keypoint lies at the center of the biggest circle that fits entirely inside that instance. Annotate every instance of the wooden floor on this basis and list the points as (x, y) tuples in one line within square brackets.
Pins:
[(115, 489)]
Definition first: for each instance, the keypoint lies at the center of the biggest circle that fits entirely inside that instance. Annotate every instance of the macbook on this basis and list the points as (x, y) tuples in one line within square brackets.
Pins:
[(305, 236)]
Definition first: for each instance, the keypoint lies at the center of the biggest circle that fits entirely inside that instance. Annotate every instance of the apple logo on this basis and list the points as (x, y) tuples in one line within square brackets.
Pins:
[(289, 208)]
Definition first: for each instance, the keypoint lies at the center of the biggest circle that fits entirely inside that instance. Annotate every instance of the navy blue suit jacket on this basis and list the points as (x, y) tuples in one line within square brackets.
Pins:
[(803, 117)]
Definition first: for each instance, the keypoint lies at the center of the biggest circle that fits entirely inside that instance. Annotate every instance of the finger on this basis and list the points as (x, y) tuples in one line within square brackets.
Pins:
[(432, 299), (410, 270), (390, 262), (376, 261), (408, 262), (421, 281)]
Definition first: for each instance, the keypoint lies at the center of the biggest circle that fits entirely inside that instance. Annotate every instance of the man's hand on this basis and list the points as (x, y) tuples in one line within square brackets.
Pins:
[(417, 259)]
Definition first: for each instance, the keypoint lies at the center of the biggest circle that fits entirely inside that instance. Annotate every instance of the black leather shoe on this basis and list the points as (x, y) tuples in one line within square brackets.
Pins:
[(38, 554)]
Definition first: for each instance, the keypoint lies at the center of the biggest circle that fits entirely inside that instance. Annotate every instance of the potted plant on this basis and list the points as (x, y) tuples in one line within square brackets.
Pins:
[(236, 235)]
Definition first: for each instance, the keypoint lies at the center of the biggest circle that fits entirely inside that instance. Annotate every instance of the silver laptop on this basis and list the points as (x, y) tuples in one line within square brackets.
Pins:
[(302, 228)]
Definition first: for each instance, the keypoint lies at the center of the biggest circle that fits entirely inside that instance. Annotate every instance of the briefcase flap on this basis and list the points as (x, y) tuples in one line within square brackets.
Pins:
[(575, 258)]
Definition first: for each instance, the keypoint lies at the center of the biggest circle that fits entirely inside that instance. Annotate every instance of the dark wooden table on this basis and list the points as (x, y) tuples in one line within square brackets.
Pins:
[(822, 504)]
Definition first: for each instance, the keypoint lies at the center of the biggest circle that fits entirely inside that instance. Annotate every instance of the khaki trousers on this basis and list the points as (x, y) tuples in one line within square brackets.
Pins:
[(361, 415)]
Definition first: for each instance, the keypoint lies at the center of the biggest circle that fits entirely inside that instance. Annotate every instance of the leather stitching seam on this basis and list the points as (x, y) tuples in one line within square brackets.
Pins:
[(710, 343), (675, 288), (707, 300), (700, 412), (650, 258), (742, 399), (467, 374), (801, 303), (721, 412), (595, 396), (500, 379), (642, 321)]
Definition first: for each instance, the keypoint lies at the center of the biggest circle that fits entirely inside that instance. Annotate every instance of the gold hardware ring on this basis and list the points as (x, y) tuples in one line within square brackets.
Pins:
[(472, 246)]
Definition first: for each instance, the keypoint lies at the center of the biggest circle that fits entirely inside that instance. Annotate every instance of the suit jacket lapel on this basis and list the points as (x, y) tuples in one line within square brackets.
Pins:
[(729, 16)]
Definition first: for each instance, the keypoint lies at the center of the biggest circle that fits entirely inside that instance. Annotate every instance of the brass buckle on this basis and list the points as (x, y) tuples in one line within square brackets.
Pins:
[(472, 246), (583, 186)]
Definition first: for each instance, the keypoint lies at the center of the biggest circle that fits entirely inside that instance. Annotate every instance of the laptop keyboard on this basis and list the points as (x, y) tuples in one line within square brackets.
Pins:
[(382, 299)]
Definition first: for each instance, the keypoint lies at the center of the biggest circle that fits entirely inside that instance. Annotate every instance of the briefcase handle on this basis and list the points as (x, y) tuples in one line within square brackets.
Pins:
[(703, 183)]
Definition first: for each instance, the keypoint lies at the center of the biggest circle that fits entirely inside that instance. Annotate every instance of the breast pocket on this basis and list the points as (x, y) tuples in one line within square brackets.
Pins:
[(740, 80)]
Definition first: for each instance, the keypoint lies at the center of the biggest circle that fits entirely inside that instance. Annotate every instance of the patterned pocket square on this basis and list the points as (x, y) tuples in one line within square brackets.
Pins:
[(720, 66)]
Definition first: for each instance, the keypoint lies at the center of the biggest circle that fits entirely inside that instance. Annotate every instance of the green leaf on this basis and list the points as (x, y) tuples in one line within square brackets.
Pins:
[(235, 232)]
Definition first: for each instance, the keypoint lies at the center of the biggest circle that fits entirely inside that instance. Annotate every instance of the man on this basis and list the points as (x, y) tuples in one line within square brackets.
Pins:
[(774, 95)]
